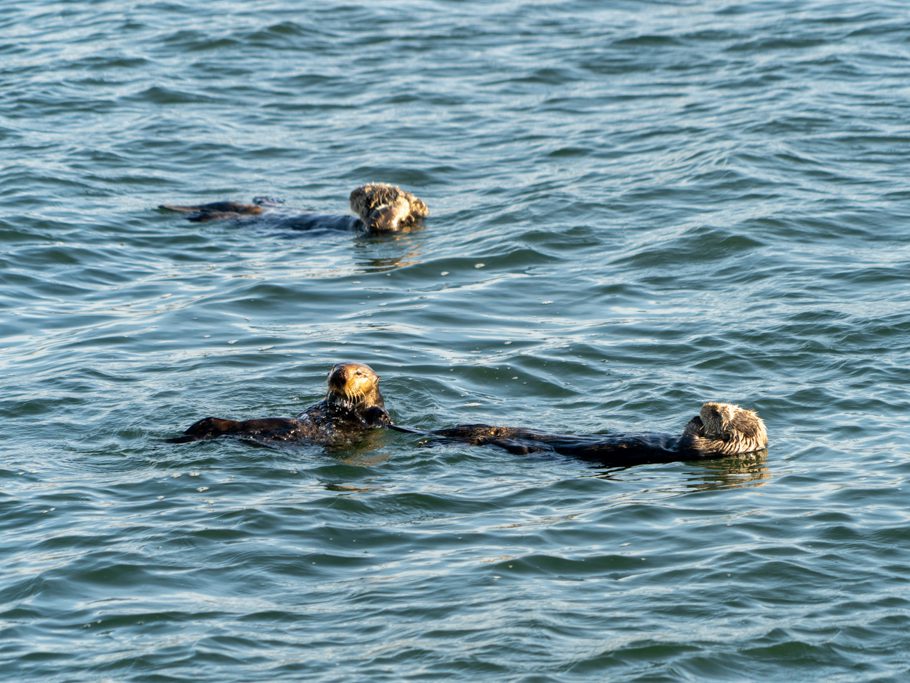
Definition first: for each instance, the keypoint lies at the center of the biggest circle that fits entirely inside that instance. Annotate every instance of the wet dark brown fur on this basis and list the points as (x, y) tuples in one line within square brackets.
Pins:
[(719, 430), (353, 404), (379, 206)]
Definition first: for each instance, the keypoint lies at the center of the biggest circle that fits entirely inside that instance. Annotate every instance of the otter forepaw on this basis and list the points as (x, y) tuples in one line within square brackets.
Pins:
[(375, 416)]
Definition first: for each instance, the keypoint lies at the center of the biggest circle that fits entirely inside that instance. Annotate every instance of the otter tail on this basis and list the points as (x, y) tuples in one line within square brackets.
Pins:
[(407, 430)]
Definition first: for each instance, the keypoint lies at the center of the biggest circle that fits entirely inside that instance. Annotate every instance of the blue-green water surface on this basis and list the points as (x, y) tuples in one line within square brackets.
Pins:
[(636, 206)]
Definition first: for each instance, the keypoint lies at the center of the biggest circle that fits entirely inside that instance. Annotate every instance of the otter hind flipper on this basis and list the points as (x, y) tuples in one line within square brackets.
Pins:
[(200, 213), (206, 428), (277, 428), (512, 439)]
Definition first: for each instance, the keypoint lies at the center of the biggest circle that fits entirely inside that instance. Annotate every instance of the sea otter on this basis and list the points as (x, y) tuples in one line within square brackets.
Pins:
[(352, 405), (380, 208), (720, 429)]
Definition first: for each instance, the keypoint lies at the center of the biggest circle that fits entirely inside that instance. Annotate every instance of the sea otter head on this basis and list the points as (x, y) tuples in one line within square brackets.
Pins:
[(353, 386), (387, 208), (726, 429)]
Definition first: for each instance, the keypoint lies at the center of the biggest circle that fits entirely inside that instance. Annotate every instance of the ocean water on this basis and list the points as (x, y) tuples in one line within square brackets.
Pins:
[(636, 207)]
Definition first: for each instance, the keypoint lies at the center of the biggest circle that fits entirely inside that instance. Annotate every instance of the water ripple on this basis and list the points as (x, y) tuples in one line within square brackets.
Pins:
[(636, 207)]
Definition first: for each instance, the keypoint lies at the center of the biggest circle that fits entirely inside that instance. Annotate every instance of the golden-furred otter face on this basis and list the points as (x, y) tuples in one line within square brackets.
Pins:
[(727, 429), (353, 385), (386, 208)]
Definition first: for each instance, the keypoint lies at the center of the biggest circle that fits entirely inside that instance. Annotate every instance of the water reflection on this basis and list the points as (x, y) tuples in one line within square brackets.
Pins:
[(732, 472), (716, 473), (382, 253), (365, 451)]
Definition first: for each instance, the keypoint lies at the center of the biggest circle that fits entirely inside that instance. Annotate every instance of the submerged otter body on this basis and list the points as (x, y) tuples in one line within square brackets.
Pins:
[(353, 405), (380, 208), (719, 430)]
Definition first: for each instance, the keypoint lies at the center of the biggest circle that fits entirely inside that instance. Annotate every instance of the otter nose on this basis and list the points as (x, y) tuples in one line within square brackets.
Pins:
[(338, 374)]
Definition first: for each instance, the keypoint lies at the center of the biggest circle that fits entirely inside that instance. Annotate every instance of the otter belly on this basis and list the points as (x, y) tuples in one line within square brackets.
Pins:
[(316, 425), (268, 428), (613, 450), (266, 213), (314, 222)]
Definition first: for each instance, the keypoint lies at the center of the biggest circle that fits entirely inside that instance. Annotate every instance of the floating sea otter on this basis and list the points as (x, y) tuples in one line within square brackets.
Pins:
[(719, 430), (351, 406), (379, 206)]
